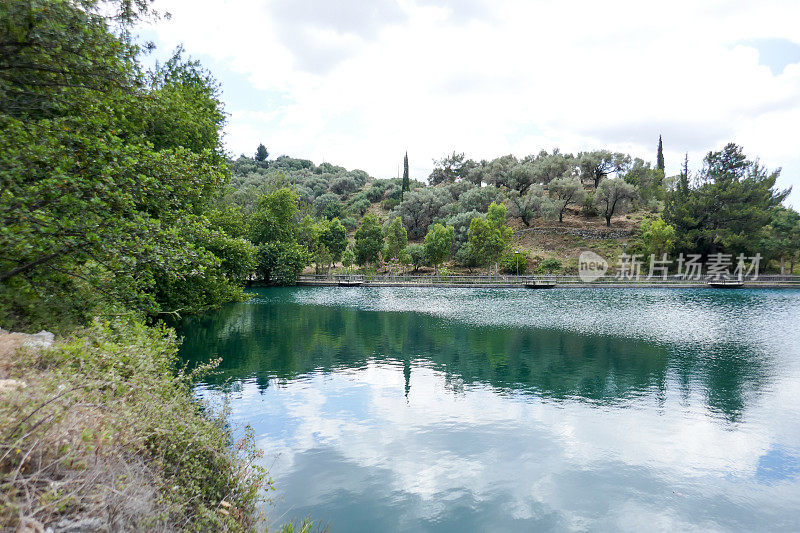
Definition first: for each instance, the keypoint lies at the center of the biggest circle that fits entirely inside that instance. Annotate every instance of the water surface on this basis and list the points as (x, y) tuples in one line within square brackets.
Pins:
[(419, 409)]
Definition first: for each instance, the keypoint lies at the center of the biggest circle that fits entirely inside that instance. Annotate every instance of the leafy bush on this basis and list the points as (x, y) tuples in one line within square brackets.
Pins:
[(512, 263), (328, 206), (549, 266)]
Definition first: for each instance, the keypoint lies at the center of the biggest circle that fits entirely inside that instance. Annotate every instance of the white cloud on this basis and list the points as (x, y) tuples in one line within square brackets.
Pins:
[(487, 78)]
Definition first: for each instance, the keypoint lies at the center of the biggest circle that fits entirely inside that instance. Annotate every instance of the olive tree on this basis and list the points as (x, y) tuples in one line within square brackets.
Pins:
[(566, 191), (533, 204), (613, 196)]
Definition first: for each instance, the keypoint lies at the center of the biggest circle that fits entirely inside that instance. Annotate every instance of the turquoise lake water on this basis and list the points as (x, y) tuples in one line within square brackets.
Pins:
[(420, 409)]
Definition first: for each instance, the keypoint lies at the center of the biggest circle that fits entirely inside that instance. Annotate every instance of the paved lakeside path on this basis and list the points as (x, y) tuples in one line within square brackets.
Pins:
[(508, 282)]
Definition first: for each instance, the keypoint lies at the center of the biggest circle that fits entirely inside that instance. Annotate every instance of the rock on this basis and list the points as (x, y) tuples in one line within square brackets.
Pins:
[(29, 525), (11, 385), (84, 525), (43, 339)]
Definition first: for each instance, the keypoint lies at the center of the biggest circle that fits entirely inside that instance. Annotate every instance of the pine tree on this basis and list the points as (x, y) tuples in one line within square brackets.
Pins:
[(261, 154), (406, 181), (660, 155)]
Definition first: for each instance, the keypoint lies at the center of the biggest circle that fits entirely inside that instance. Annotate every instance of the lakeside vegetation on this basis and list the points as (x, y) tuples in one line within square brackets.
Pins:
[(120, 208), (513, 214)]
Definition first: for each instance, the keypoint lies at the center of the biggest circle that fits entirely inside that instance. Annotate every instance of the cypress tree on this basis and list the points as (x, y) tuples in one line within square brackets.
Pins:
[(406, 181), (660, 155)]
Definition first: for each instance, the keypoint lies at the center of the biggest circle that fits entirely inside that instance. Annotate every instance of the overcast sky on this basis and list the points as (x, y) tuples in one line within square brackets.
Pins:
[(357, 82)]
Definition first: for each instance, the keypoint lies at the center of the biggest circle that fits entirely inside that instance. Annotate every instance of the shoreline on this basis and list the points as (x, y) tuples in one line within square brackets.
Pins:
[(520, 284)]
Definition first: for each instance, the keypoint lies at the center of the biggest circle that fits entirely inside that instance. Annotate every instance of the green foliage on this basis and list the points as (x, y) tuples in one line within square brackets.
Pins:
[(132, 455), (549, 266), (280, 262), (489, 237), (348, 257), (368, 240), (106, 170), (406, 182), (782, 241), (420, 208), (658, 237), (333, 235), (613, 196), (328, 206), (649, 182), (597, 165), (479, 199), (396, 239), (514, 262), (438, 243), (660, 156), (566, 191), (730, 208), (274, 231), (416, 255), (449, 169), (261, 153), (533, 204)]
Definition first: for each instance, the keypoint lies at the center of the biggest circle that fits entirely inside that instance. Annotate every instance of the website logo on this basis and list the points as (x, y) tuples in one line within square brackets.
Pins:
[(591, 266)]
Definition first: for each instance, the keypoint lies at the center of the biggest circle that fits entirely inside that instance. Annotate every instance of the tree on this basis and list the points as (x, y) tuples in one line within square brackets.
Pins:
[(328, 205), (479, 198), (420, 208), (333, 235), (489, 237), (596, 166), (106, 170), (730, 207), (533, 204), (368, 240), (500, 171), (261, 153), (548, 167), (660, 155), (649, 182), (438, 243), (613, 196), (396, 239), (348, 257), (272, 229), (450, 168), (566, 191), (783, 240), (658, 237), (416, 253), (406, 180)]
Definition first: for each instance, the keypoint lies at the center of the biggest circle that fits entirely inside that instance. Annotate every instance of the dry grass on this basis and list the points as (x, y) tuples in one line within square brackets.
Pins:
[(101, 429)]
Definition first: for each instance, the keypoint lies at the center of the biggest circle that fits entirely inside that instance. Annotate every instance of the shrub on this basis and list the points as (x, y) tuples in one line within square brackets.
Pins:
[(513, 263), (549, 266), (107, 427), (328, 206)]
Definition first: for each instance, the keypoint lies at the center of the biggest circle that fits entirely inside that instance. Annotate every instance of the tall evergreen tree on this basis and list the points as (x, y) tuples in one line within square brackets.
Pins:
[(261, 153), (660, 155), (406, 181)]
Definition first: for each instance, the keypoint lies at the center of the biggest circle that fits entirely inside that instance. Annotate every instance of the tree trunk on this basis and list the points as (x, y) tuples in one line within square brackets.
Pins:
[(608, 221), (782, 269)]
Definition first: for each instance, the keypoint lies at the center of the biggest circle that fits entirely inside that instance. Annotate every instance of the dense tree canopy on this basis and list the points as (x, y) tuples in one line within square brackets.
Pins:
[(106, 170), (731, 207)]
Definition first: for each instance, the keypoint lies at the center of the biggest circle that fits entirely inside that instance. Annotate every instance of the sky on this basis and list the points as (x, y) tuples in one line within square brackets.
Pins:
[(359, 83)]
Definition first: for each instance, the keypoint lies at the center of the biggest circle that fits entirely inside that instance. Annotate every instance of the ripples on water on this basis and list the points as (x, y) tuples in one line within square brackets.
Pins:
[(454, 409)]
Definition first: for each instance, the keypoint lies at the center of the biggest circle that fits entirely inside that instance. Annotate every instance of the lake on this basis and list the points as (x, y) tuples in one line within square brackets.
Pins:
[(422, 409)]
